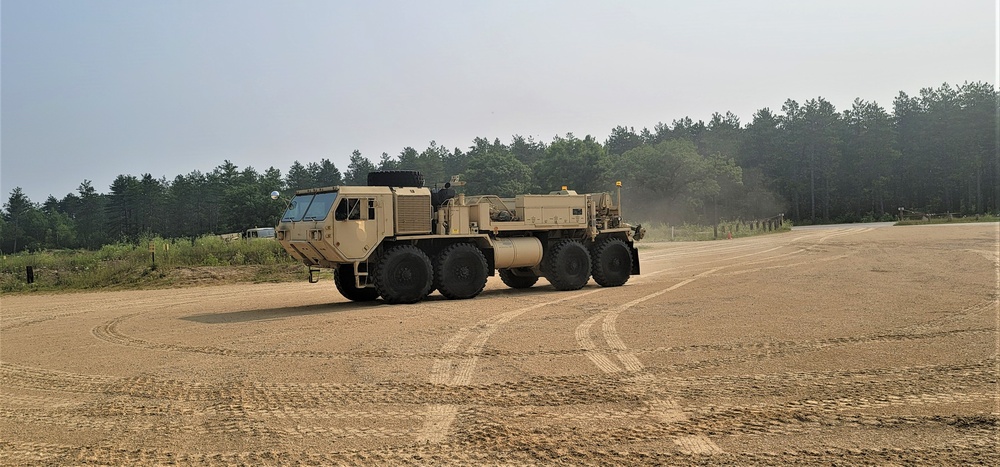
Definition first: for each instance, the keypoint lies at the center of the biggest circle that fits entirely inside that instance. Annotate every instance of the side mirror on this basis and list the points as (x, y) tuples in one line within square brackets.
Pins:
[(275, 195)]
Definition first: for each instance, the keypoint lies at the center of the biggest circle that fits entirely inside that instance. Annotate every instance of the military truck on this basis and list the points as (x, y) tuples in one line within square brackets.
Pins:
[(400, 240)]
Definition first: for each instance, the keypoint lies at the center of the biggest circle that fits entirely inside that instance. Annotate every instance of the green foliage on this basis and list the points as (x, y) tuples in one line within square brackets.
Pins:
[(527, 150), (580, 164), (298, 177), (673, 173), (324, 173), (430, 163), (497, 173), (358, 169), (675, 170), (622, 140), (933, 152), (130, 265)]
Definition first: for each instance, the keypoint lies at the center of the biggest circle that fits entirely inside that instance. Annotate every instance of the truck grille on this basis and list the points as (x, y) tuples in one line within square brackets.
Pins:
[(413, 215)]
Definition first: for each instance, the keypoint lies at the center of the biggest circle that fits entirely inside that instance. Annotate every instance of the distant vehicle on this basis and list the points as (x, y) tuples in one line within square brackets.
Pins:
[(260, 232), (399, 240)]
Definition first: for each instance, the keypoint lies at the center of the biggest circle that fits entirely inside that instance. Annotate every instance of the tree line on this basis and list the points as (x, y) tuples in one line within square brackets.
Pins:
[(935, 152)]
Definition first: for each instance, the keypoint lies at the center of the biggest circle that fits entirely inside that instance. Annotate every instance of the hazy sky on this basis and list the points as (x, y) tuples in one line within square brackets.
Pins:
[(93, 89)]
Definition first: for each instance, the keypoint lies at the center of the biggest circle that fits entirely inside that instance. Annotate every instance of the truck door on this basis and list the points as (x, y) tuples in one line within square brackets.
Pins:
[(355, 229)]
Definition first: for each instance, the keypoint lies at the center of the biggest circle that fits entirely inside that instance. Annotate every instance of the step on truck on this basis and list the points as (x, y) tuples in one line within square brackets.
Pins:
[(400, 241)]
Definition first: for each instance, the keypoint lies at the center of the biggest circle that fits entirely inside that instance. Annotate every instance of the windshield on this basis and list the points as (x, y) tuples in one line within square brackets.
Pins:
[(296, 208), (320, 207), (309, 207)]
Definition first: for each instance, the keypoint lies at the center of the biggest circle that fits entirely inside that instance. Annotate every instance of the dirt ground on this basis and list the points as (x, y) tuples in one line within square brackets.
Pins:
[(864, 344)]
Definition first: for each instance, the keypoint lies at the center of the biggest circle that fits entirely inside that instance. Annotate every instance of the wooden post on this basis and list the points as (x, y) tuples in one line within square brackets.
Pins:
[(30, 272)]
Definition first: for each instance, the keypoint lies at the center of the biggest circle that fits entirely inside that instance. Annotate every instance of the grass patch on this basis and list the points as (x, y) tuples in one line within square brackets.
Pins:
[(950, 220), (656, 232), (178, 262)]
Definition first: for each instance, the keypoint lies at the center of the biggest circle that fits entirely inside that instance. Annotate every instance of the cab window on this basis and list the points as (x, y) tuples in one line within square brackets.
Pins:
[(320, 207), (349, 209), (296, 208)]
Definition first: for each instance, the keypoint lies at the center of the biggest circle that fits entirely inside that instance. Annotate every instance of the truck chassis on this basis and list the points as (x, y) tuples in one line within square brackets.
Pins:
[(403, 242)]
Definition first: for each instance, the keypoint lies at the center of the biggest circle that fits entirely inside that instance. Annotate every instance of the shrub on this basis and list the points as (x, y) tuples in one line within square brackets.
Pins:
[(126, 265)]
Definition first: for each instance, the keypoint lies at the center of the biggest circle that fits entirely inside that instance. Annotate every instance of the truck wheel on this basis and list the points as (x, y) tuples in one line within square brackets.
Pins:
[(396, 178), (518, 279), (343, 276), (403, 275), (567, 265), (461, 271), (612, 262)]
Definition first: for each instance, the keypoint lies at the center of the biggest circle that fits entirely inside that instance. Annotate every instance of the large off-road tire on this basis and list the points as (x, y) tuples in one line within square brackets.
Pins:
[(395, 178), (461, 271), (518, 279), (567, 265), (612, 262), (343, 276), (403, 275)]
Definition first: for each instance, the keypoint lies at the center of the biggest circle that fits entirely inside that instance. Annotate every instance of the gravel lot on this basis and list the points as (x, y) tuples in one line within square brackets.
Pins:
[(840, 345)]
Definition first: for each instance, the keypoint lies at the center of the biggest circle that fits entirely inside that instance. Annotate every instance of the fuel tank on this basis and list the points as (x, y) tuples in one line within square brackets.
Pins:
[(517, 252)]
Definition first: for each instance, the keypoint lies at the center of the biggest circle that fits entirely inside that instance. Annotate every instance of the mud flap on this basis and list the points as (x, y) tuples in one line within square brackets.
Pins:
[(635, 260)]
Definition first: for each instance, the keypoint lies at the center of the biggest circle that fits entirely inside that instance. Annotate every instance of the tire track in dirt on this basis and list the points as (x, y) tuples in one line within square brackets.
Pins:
[(203, 428), (972, 434), (22, 404), (540, 391), (816, 344), (755, 420), (438, 419), (819, 401), (870, 385), (110, 332), (994, 256), (813, 346), (667, 410), (23, 321), (733, 413), (17, 376), (441, 417), (952, 318), (459, 373), (971, 452), (331, 400), (770, 259), (26, 320)]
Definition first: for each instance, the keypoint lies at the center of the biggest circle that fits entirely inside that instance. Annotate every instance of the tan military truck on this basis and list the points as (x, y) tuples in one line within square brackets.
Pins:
[(399, 240)]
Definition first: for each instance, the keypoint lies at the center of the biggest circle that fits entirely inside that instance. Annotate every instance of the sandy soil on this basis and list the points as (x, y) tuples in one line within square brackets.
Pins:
[(845, 345)]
